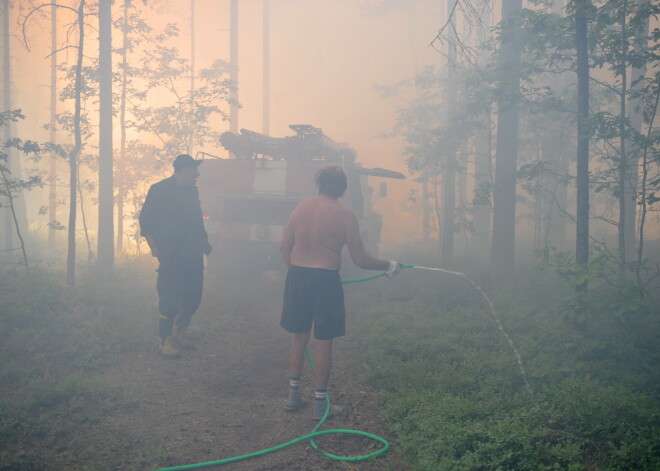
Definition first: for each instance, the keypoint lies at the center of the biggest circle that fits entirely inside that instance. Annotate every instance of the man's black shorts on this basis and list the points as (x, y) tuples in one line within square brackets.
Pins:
[(314, 295)]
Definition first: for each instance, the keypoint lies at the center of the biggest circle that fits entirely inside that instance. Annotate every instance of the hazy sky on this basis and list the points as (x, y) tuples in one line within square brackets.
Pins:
[(327, 56)]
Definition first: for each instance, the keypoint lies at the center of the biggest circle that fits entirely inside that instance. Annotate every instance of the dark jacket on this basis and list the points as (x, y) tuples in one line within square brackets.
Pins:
[(172, 215)]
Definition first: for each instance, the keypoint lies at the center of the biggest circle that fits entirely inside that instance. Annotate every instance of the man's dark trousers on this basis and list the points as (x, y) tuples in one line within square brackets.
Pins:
[(179, 285)]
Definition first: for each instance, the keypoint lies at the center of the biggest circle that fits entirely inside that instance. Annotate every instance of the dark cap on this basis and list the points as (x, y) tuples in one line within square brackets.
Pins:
[(185, 161)]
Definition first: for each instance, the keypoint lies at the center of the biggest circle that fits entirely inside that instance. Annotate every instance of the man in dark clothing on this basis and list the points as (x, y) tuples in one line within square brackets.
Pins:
[(171, 221)]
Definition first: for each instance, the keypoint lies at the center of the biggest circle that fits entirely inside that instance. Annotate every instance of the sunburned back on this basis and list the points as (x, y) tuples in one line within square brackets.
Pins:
[(319, 230)]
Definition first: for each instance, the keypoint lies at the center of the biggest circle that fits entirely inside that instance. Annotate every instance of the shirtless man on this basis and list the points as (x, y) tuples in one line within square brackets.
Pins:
[(311, 246)]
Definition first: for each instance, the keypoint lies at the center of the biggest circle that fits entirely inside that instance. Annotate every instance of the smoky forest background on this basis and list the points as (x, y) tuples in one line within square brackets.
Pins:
[(529, 137)]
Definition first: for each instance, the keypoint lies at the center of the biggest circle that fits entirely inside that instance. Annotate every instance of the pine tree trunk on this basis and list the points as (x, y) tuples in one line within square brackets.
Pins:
[(539, 203), (106, 245), (506, 154), (449, 168), (482, 176), (121, 167), (75, 152), (461, 180), (6, 94), (581, 46), (623, 158), (483, 142), (52, 171), (556, 226), (426, 212)]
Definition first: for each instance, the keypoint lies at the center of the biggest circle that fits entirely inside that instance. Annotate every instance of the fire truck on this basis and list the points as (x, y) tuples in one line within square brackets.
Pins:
[(247, 198)]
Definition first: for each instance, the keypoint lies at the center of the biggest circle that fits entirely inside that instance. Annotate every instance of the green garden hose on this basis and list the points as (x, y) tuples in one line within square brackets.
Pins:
[(315, 431)]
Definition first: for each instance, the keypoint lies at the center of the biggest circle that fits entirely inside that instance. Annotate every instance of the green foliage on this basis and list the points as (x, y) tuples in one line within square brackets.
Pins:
[(608, 295), (483, 194), (50, 336), (31, 149), (180, 119), (450, 389)]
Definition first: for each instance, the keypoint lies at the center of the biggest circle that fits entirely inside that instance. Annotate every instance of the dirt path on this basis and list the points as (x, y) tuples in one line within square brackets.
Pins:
[(226, 398)]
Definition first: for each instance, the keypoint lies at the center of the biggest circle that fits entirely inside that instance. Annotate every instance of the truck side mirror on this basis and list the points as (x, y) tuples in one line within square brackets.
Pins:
[(383, 189)]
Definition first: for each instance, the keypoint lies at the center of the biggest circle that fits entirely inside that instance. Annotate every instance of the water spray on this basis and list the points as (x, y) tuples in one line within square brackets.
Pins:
[(316, 432), (492, 311)]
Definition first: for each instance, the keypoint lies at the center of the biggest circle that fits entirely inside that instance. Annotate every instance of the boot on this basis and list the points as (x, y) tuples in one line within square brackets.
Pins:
[(168, 350), (181, 338)]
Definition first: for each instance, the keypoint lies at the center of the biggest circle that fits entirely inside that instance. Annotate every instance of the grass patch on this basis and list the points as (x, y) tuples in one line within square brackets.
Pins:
[(452, 392)]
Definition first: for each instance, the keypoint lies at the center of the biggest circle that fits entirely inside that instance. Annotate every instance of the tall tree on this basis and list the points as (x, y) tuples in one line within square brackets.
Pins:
[(483, 183), (75, 151), (6, 100), (483, 175), (134, 31), (506, 154), (106, 248), (623, 171), (447, 223), (121, 167), (636, 114), (52, 173), (583, 133), (76, 125)]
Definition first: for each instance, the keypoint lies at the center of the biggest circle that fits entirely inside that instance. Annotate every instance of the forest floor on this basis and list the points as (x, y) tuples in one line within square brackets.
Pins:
[(226, 398), (423, 365)]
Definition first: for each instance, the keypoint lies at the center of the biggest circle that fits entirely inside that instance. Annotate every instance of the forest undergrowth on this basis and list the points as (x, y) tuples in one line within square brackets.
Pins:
[(448, 382), (450, 387), (52, 338)]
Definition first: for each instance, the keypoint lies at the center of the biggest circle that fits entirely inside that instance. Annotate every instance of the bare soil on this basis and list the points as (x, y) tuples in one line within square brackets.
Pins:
[(226, 398)]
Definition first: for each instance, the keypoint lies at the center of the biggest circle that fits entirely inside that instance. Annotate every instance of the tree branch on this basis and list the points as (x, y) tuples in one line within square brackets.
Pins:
[(37, 9)]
